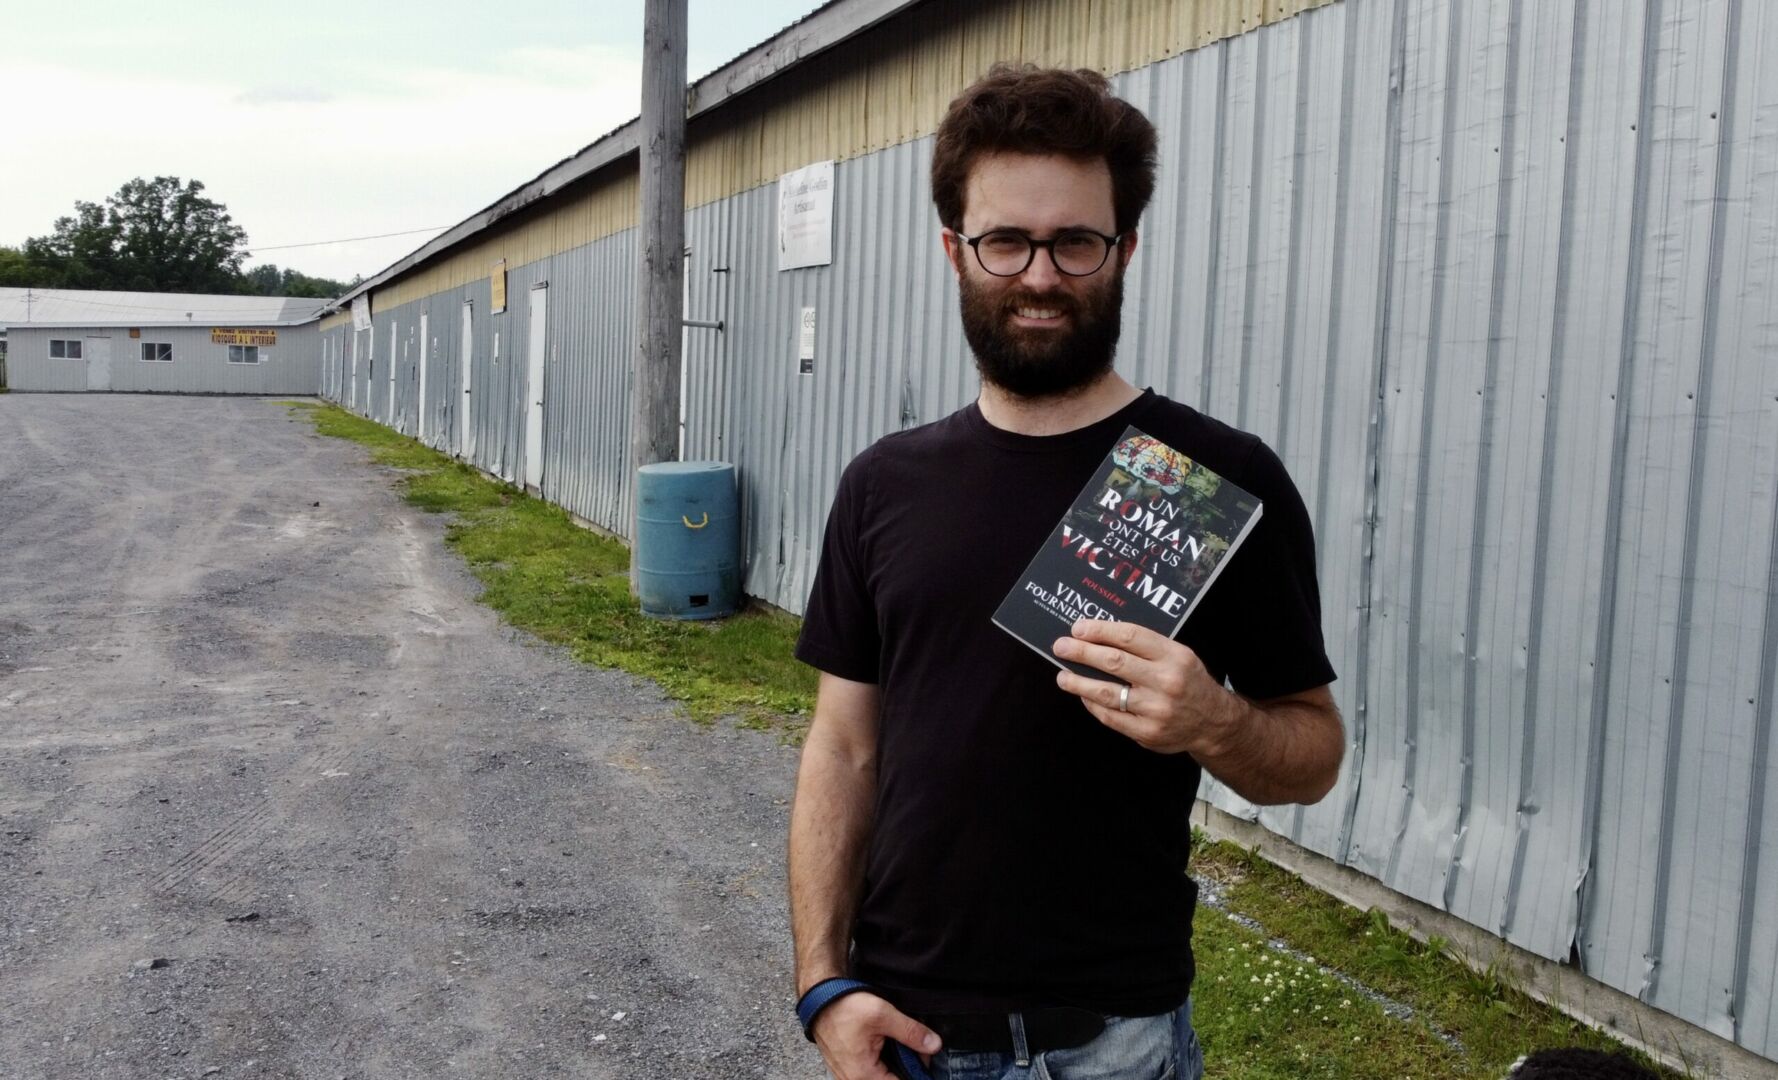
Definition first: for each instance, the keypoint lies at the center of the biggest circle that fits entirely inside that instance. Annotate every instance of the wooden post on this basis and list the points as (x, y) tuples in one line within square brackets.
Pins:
[(660, 283)]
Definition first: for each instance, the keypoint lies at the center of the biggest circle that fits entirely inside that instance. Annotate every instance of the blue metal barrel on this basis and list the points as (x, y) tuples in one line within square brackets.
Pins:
[(688, 540)]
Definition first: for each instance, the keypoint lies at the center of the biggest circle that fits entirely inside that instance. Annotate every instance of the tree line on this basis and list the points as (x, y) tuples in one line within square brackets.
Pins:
[(159, 235)]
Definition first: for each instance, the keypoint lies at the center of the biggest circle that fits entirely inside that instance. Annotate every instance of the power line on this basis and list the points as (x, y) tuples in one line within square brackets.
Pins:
[(345, 240)]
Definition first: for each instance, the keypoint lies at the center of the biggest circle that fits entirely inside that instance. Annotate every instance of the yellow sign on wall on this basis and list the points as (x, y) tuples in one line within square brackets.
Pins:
[(221, 336), (497, 288)]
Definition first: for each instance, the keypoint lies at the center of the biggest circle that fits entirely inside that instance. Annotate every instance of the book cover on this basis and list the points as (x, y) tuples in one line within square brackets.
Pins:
[(1141, 543)]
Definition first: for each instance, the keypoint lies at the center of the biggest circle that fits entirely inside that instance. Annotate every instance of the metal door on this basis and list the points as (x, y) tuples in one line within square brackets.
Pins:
[(425, 355), (394, 351), (534, 386), (98, 363), (466, 343), (500, 424), (352, 387), (370, 370)]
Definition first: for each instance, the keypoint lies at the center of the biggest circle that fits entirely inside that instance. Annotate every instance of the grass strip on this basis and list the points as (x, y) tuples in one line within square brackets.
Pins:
[(1281, 1026), (571, 586), (1263, 1014)]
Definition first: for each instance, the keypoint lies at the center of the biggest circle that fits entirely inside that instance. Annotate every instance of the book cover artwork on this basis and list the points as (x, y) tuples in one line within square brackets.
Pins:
[(1142, 543)]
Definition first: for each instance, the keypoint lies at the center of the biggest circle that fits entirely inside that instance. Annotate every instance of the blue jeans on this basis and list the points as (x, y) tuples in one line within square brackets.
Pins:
[(1160, 1047)]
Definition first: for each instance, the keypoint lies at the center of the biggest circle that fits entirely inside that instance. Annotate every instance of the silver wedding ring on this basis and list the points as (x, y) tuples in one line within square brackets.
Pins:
[(1123, 700)]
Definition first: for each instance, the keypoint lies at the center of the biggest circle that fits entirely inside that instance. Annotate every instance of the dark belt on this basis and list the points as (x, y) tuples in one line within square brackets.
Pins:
[(1045, 1029)]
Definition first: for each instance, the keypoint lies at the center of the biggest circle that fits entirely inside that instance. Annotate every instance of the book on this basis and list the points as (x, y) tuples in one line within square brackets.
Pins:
[(1141, 543)]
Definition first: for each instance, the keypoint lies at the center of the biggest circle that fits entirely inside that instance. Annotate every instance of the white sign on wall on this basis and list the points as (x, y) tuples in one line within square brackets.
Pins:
[(805, 216), (361, 313)]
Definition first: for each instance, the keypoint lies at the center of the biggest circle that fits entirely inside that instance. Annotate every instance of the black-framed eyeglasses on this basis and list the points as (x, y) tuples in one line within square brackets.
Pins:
[(1008, 252)]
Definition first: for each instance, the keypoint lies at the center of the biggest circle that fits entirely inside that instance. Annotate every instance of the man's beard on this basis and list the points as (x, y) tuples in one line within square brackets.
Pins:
[(1039, 363)]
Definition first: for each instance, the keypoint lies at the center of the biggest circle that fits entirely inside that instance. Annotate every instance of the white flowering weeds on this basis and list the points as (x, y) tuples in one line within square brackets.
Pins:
[(1282, 987)]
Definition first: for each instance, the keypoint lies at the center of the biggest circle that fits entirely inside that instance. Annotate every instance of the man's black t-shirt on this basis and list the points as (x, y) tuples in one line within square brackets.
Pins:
[(1023, 854)]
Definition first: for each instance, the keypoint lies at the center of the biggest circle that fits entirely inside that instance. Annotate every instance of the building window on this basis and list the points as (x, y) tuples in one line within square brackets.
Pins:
[(64, 348), (243, 354), (160, 352)]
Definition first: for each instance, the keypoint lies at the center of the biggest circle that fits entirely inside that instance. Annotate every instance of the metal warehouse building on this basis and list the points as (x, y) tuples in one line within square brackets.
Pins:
[(176, 343), (1495, 278)]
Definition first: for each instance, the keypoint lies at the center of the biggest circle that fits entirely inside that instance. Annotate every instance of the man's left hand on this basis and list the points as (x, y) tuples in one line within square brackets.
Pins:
[(1174, 705)]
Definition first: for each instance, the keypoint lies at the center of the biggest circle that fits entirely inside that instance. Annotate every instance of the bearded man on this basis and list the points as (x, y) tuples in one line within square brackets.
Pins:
[(988, 857)]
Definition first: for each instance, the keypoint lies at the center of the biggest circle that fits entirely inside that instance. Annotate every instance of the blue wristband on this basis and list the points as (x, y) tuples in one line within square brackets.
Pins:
[(828, 991), (820, 996)]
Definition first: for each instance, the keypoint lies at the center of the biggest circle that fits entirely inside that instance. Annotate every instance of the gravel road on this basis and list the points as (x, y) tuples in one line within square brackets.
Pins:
[(279, 799)]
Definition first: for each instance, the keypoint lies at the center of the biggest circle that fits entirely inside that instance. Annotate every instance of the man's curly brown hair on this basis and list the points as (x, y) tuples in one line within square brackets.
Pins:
[(1024, 109)]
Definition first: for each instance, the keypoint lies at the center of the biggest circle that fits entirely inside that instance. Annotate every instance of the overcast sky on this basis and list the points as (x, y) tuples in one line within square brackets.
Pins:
[(319, 122)]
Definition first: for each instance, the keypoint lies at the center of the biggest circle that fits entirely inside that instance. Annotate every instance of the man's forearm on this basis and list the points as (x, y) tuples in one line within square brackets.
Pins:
[(830, 825), (1282, 751)]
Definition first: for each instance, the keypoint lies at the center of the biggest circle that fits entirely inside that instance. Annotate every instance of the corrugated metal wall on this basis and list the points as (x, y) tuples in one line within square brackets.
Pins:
[(1496, 280), (30, 367), (292, 366), (889, 352), (586, 374)]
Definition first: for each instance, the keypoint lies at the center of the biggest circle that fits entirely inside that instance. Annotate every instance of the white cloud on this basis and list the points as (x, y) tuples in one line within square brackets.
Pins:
[(282, 95)]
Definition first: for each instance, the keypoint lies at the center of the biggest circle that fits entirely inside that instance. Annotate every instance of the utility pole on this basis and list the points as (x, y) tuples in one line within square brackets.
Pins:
[(660, 282)]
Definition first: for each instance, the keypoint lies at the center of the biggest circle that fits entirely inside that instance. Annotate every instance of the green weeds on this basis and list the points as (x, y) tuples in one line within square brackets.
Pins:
[(1492, 1023), (1264, 1014)]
